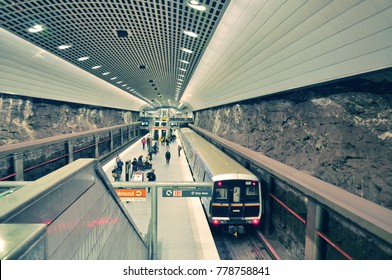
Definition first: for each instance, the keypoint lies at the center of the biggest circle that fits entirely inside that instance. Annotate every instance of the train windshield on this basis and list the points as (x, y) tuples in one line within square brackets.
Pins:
[(236, 191), (252, 193)]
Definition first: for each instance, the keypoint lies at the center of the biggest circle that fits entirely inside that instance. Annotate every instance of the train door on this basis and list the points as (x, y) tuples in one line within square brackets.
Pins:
[(236, 204)]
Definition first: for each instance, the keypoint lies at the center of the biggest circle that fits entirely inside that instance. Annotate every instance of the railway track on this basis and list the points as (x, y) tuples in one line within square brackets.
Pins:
[(249, 246)]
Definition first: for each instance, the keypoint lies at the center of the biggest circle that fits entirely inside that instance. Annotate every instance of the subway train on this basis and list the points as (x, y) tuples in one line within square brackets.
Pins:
[(236, 199)]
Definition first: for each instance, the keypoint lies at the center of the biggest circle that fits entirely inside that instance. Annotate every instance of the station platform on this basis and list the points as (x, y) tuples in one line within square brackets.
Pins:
[(183, 231)]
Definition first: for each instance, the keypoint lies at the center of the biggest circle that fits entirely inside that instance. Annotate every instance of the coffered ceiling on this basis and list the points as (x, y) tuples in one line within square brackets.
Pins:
[(195, 54)]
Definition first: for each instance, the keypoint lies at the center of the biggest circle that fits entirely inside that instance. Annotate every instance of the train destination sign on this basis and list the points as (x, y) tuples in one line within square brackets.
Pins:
[(169, 192)]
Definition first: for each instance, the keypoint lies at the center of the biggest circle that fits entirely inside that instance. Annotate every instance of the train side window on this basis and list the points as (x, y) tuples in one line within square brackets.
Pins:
[(220, 193)]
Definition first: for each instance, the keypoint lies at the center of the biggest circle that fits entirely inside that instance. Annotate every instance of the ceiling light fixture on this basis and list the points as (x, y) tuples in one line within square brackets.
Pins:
[(196, 5), (186, 50), (36, 28), (63, 47), (190, 33), (96, 67), (184, 61), (83, 58), (106, 73)]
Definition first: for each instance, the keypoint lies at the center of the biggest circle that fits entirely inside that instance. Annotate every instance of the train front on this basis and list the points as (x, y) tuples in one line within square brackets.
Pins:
[(236, 202)]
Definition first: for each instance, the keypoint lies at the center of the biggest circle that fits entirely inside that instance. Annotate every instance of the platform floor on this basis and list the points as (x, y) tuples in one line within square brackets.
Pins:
[(183, 232)]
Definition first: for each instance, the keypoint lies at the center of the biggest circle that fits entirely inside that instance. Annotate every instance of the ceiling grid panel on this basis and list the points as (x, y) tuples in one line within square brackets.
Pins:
[(119, 38)]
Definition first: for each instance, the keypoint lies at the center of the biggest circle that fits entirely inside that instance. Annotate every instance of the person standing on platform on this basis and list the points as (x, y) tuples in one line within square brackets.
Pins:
[(116, 173), (144, 142), (151, 177), (148, 142), (119, 162), (179, 150), (167, 142), (167, 156), (155, 148), (150, 151), (134, 164)]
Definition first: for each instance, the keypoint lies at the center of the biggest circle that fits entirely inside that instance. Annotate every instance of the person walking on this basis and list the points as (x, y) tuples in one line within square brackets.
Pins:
[(167, 156), (179, 150)]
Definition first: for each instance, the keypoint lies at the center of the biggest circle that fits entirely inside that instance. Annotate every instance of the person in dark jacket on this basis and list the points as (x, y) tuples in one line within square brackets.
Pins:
[(167, 156), (151, 177), (116, 173), (135, 166)]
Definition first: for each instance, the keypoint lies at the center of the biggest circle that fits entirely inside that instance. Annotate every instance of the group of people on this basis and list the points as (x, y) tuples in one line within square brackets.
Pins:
[(139, 163)]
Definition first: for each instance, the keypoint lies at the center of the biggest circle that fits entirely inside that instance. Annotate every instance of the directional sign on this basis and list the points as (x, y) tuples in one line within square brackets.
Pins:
[(185, 192), (125, 193)]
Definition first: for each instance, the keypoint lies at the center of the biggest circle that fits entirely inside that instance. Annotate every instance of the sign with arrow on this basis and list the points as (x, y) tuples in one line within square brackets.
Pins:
[(186, 192)]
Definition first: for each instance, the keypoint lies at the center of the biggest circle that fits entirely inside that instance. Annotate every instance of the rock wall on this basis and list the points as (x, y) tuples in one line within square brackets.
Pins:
[(340, 133), (24, 118)]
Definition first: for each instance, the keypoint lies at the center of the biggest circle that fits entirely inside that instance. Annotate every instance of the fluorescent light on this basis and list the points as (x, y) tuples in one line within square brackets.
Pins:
[(184, 61), (190, 33), (36, 28), (83, 58), (96, 67), (63, 47), (196, 5), (186, 50), (106, 73), (182, 69), (113, 78)]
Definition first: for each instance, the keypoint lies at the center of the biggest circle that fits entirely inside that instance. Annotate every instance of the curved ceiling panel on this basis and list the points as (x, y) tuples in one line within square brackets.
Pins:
[(31, 71), (265, 47)]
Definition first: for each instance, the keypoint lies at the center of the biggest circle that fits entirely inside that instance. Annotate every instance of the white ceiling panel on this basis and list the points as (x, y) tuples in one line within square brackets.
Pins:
[(31, 71), (265, 47)]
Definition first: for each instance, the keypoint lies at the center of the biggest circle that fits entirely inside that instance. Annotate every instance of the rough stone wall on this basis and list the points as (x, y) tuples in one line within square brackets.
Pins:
[(24, 119), (340, 133)]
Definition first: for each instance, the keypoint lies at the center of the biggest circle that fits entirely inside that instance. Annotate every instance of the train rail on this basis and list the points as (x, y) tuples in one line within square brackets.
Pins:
[(250, 246)]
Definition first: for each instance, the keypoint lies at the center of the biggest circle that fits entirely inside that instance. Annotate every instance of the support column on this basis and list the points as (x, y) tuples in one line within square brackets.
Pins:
[(96, 142), (154, 223), (268, 204), (111, 140), (70, 151), (18, 166), (314, 222), (121, 137)]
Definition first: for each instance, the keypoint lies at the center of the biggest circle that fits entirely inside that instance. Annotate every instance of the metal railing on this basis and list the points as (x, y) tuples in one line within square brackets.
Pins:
[(48, 154)]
